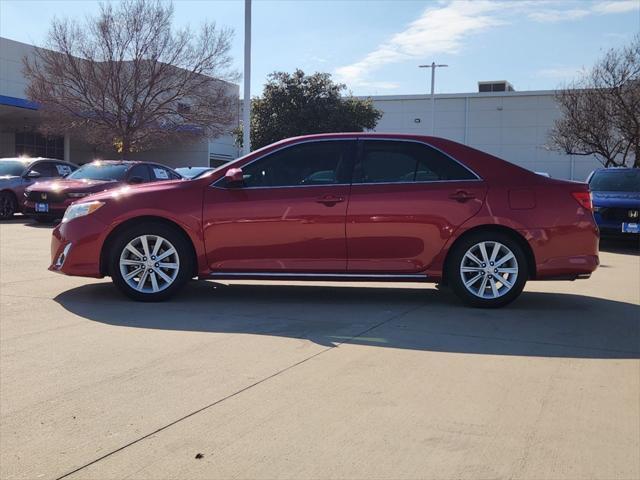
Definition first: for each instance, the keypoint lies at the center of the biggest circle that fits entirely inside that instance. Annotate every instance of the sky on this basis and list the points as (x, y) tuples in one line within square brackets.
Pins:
[(375, 46)]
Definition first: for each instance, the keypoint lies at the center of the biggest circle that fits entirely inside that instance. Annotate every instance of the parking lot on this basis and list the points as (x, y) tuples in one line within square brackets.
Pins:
[(265, 380)]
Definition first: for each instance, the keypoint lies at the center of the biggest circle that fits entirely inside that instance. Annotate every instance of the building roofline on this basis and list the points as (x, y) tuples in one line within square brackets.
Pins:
[(529, 93)]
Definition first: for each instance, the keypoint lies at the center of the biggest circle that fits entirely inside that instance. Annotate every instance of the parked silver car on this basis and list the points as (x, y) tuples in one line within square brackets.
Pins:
[(18, 173)]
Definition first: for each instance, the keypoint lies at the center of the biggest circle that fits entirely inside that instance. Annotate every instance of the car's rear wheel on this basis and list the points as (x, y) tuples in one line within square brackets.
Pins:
[(487, 269), (150, 262), (8, 205)]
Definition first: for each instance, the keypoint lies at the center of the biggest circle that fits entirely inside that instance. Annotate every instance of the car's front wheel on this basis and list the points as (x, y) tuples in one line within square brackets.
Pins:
[(487, 269), (8, 205), (150, 262)]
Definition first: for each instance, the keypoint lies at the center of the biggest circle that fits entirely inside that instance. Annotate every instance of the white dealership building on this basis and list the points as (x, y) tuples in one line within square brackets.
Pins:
[(19, 120), (509, 124)]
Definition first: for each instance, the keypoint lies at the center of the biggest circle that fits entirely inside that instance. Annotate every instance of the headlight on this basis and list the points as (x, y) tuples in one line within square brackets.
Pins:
[(80, 210), (77, 194)]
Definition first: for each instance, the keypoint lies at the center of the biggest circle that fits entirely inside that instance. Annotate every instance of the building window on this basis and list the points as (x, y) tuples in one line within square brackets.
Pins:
[(34, 144)]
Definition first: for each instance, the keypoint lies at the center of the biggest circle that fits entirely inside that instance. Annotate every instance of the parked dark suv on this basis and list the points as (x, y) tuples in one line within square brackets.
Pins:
[(18, 173)]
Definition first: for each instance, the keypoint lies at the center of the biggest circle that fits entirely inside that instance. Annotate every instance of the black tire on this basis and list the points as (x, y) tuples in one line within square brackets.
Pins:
[(455, 277), (8, 205), (172, 235)]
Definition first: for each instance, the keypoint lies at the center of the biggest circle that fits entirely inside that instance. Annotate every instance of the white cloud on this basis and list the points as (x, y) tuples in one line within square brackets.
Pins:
[(558, 15), (438, 30), (445, 29), (617, 6), (562, 11)]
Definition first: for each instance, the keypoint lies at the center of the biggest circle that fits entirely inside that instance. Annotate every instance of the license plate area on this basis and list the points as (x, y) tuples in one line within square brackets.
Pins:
[(42, 208), (631, 228)]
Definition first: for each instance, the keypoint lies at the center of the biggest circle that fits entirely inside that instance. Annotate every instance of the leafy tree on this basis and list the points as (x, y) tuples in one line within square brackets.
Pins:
[(297, 104), (601, 110), (125, 80)]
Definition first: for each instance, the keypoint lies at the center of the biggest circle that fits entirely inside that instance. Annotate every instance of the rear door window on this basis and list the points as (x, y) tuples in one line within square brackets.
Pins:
[(62, 169), (396, 161), (160, 173)]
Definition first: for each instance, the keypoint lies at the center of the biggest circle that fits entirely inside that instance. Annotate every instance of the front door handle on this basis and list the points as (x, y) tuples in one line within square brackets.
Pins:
[(330, 200), (461, 196)]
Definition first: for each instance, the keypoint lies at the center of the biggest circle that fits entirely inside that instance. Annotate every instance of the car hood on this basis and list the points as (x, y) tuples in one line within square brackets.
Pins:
[(87, 186), (125, 190), (616, 199)]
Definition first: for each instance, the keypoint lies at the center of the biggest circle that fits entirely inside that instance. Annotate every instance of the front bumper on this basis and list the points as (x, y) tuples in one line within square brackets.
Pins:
[(76, 247), (612, 226), (55, 209)]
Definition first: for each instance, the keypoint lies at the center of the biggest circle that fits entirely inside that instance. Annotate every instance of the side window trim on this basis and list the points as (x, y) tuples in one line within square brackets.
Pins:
[(219, 182), (361, 153)]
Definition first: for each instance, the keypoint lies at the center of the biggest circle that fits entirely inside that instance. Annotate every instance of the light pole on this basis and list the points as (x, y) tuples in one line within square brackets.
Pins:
[(246, 110), (433, 67)]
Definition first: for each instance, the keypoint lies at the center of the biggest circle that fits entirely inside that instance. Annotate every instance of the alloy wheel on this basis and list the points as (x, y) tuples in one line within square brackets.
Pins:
[(489, 269), (149, 263)]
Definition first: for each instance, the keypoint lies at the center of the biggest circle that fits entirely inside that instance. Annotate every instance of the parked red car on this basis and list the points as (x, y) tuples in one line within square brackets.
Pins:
[(46, 201), (341, 207), (18, 173)]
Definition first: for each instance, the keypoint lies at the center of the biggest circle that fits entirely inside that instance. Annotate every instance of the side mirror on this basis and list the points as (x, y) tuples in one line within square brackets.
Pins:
[(234, 177), (136, 180), (33, 174)]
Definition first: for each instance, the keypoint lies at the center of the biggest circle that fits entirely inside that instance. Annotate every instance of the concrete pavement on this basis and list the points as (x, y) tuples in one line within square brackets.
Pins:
[(325, 381)]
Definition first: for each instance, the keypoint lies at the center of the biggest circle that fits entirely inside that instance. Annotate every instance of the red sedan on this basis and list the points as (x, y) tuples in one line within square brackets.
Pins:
[(339, 207)]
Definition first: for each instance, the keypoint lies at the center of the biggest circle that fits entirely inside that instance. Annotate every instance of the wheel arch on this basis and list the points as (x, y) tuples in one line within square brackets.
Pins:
[(514, 234), (108, 242)]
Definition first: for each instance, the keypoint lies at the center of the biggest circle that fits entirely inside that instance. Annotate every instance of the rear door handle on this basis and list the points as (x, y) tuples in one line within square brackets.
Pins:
[(461, 196), (330, 200)]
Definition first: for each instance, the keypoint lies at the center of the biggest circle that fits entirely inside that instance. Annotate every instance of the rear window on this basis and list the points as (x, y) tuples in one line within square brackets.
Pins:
[(100, 171), (615, 181), (391, 161)]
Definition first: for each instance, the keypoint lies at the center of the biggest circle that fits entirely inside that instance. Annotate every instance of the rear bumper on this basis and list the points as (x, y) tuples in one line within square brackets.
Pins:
[(566, 252)]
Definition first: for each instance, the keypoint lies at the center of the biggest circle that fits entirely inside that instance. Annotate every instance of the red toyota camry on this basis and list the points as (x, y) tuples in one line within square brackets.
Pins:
[(350, 207)]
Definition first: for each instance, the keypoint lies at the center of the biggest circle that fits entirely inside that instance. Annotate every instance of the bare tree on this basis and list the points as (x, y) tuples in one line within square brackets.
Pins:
[(126, 80), (601, 111)]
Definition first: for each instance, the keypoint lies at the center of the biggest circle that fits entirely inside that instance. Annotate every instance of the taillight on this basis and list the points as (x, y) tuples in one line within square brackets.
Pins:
[(584, 199)]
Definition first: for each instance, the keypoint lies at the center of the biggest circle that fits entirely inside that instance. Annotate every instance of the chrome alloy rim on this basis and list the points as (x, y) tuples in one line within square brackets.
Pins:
[(489, 270), (149, 263)]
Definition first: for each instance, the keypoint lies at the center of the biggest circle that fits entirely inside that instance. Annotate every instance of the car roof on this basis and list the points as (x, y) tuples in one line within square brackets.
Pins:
[(29, 160), (616, 169), (128, 163)]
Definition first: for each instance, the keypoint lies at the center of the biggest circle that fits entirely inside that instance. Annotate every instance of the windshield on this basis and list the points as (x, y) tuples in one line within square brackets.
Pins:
[(100, 171), (616, 181), (12, 168), (192, 172)]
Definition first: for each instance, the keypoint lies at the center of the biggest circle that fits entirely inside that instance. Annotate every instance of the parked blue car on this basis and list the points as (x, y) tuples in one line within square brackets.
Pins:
[(616, 199)]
